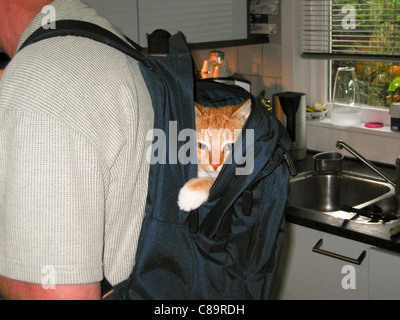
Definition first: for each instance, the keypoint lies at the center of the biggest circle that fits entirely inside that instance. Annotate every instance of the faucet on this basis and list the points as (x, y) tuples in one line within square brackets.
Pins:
[(395, 183)]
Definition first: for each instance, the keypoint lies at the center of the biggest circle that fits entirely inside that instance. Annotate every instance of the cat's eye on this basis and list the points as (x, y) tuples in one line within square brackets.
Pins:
[(202, 146), (228, 147)]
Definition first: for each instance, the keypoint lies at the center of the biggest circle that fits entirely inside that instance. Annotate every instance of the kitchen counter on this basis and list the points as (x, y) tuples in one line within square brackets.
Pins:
[(375, 234)]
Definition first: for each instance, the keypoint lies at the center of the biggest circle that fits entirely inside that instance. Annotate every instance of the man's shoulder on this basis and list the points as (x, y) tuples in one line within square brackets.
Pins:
[(78, 54), (70, 64), (72, 79)]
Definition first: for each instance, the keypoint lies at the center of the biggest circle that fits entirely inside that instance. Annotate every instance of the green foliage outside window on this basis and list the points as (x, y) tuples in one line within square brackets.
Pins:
[(379, 82)]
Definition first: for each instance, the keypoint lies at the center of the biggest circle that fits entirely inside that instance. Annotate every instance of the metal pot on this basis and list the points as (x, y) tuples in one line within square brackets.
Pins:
[(328, 162)]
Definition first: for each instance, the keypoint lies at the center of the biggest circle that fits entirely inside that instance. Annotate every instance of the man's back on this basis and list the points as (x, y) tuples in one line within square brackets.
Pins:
[(73, 175)]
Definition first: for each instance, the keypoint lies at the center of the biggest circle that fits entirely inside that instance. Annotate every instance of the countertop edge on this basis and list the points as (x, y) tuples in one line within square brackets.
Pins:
[(345, 229)]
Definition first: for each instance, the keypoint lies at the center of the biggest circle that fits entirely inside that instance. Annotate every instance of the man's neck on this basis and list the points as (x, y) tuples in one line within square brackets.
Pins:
[(18, 17)]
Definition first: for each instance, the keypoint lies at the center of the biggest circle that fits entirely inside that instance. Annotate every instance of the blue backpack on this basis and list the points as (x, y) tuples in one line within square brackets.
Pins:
[(229, 248)]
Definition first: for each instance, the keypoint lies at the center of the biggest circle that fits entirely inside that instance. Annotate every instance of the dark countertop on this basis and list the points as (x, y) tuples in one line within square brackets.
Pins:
[(375, 234)]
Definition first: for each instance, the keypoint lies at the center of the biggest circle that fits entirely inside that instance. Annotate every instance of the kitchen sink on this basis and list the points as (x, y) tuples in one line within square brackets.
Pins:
[(390, 204), (330, 193)]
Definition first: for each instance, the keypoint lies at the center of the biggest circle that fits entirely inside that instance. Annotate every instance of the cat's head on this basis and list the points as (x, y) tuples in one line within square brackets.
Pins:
[(215, 129)]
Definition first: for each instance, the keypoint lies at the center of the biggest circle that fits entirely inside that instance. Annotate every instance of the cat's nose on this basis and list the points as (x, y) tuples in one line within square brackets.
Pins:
[(215, 166)]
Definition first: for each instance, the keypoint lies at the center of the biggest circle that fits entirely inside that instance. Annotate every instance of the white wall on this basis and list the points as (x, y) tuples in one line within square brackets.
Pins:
[(259, 63)]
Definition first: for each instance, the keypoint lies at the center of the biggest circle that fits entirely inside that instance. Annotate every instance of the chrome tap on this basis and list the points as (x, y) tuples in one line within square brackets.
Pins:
[(395, 183)]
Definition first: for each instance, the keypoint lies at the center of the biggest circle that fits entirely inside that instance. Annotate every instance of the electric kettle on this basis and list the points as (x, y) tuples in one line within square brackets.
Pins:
[(290, 109)]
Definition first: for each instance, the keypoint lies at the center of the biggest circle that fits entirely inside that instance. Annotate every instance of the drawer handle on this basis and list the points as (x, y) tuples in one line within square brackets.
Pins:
[(317, 249)]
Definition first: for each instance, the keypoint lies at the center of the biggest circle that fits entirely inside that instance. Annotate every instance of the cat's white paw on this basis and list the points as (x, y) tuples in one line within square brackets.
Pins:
[(189, 200)]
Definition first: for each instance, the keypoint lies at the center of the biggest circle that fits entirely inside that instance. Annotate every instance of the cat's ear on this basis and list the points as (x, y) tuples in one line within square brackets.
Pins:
[(243, 112), (198, 109)]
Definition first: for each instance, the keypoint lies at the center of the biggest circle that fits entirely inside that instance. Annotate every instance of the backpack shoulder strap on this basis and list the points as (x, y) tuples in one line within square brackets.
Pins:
[(91, 31)]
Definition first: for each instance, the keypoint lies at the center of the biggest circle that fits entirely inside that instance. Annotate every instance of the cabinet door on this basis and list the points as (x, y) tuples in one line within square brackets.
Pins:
[(384, 275), (200, 20), (121, 13), (304, 274)]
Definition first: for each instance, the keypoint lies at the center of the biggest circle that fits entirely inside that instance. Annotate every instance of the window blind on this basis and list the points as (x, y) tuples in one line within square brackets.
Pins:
[(351, 29)]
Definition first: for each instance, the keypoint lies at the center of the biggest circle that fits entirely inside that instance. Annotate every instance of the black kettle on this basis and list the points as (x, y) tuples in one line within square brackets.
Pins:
[(290, 109)]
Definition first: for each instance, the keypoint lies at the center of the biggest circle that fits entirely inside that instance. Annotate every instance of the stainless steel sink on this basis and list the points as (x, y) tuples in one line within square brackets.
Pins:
[(327, 193), (390, 204)]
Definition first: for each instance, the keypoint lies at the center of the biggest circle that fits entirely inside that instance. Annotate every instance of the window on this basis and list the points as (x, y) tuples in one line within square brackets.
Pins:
[(379, 82), (359, 33)]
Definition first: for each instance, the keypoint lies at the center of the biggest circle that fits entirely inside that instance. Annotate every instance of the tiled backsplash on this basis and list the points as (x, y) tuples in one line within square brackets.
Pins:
[(259, 63)]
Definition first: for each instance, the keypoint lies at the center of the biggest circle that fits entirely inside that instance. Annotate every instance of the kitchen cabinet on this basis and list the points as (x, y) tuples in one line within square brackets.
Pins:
[(306, 274), (121, 13), (384, 275), (202, 21)]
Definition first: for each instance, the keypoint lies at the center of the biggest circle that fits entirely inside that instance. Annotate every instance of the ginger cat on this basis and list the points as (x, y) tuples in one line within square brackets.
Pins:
[(215, 137)]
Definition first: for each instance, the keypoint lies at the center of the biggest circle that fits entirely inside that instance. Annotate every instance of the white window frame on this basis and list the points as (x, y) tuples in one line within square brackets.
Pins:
[(311, 77)]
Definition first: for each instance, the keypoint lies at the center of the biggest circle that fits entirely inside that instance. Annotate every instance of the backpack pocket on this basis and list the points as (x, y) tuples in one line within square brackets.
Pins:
[(272, 194)]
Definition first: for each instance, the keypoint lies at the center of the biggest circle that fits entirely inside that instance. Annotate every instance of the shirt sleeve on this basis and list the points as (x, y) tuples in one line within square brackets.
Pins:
[(51, 201)]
